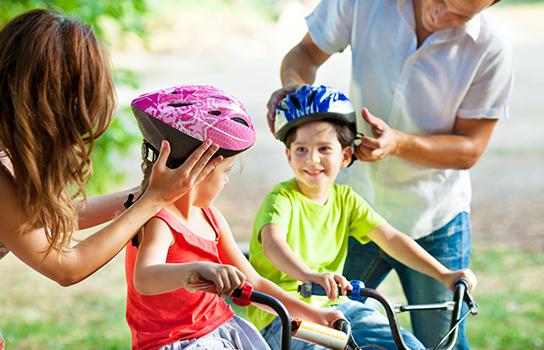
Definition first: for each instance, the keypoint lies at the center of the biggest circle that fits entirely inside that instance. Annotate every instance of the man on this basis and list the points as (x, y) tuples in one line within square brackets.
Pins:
[(431, 77)]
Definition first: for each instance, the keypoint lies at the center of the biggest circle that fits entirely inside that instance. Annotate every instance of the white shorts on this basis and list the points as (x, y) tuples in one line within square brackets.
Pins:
[(236, 333)]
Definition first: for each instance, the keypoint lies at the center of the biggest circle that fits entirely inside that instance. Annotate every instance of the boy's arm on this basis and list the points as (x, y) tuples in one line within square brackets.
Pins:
[(283, 258), (280, 254), (231, 254), (404, 249), (152, 275)]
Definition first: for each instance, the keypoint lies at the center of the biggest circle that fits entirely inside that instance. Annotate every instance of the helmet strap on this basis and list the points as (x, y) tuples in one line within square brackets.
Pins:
[(359, 135), (149, 152)]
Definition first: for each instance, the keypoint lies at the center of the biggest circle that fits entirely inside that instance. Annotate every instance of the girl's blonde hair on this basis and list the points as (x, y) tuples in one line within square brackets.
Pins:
[(56, 98)]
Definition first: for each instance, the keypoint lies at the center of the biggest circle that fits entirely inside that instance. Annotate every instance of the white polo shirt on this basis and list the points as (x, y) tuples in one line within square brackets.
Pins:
[(461, 72)]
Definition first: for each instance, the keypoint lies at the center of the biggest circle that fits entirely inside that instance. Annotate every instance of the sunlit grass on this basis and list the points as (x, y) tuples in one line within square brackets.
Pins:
[(38, 314)]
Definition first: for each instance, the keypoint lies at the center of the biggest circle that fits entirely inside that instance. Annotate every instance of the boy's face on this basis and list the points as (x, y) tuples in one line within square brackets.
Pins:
[(316, 156), (207, 190)]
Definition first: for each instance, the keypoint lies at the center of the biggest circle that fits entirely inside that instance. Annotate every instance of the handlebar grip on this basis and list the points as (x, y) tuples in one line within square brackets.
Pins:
[(241, 296), (307, 289), (463, 281)]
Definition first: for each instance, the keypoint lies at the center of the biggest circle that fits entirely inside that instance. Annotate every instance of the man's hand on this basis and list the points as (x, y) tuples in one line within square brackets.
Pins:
[(275, 99), (384, 142)]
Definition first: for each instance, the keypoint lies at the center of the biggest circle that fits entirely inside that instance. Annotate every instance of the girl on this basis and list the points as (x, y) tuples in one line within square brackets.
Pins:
[(190, 241), (56, 98)]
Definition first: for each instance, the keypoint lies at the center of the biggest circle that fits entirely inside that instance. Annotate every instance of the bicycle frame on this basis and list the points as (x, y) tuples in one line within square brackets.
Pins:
[(460, 295)]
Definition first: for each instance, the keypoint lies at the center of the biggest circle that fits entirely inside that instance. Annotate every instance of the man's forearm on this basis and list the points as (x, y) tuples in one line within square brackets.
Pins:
[(438, 151), (459, 150), (300, 64), (297, 68)]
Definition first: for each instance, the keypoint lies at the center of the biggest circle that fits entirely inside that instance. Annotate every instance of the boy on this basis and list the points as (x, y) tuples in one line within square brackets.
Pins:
[(302, 228)]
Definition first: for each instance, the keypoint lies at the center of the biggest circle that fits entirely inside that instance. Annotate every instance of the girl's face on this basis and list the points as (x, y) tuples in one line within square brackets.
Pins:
[(316, 156), (213, 184)]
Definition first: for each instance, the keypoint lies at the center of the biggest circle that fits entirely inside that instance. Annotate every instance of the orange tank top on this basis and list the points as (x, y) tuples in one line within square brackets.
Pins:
[(158, 320)]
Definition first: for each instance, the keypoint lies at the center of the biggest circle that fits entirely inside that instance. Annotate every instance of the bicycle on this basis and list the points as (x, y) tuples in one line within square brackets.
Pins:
[(333, 338), (340, 337), (448, 341)]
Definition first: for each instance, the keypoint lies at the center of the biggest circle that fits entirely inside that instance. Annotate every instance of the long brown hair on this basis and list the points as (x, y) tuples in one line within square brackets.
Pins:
[(56, 98)]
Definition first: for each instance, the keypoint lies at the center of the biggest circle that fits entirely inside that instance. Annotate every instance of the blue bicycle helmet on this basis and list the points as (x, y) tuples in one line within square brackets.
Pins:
[(312, 103)]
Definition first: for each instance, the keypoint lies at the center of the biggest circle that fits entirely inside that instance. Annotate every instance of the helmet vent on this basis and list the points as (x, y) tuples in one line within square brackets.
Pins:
[(221, 98), (179, 104), (295, 102), (214, 112), (311, 97), (175, 92), (240, 120)]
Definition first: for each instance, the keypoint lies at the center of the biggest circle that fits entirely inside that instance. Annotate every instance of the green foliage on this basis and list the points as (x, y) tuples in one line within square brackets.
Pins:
[(105, 17), (125, 13), (266, 9)]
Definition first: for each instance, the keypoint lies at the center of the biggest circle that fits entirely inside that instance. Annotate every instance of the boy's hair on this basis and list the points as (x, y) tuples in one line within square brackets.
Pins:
[(56, 98), (345, 135)]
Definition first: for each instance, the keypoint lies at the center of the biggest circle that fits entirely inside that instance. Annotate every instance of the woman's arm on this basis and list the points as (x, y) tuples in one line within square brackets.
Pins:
[(97, 210), (73, 264), (404, 249), (231, 254)]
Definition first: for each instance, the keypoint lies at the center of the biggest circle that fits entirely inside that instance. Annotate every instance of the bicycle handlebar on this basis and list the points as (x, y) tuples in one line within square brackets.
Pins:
[(359, 293), (243, 296), (334, 338)]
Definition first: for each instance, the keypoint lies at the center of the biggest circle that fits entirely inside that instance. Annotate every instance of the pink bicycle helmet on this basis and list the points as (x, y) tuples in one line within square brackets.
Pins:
[(188, 115)]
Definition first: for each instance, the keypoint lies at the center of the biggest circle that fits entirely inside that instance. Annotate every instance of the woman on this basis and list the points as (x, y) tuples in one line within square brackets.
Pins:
[(56, 99)]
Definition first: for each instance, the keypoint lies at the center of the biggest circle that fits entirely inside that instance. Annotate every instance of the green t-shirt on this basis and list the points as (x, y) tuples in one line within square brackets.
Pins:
[(317, 234)]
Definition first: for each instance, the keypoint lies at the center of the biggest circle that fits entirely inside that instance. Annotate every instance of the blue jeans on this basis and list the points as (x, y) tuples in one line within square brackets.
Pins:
[(450, 245), (368, 327)]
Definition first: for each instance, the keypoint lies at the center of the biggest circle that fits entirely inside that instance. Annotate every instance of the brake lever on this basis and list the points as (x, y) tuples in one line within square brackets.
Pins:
[(471, 303)]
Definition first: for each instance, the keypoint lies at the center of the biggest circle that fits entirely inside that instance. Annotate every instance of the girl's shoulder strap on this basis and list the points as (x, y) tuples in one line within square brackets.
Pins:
[(208, 213), (165, 216), (169, 219)]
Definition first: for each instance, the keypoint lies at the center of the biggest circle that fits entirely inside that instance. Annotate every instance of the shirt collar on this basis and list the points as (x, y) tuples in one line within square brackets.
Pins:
[(472, 28)]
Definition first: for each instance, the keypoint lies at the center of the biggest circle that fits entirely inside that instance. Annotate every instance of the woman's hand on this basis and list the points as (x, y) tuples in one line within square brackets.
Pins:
[(224, 279), (450, 278), (330, 282), (167, 185)]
